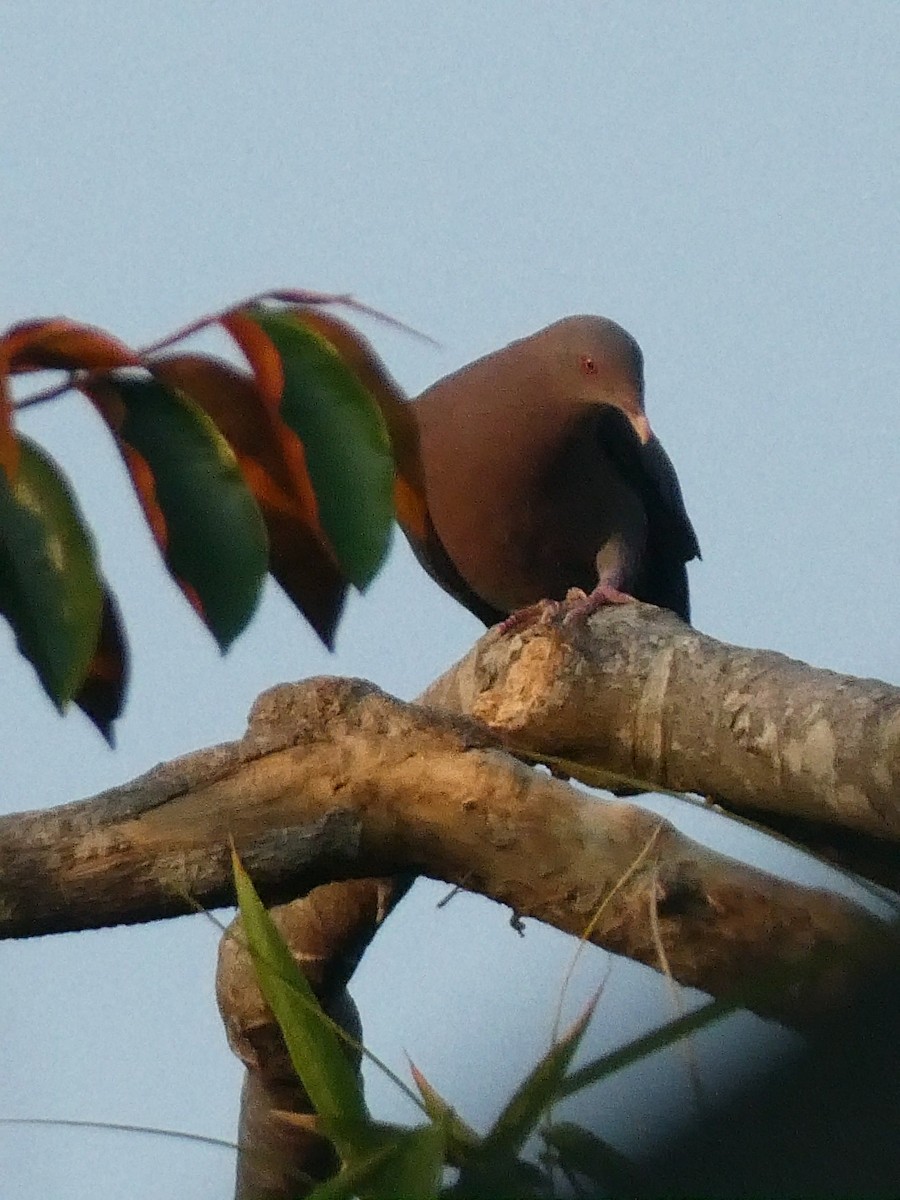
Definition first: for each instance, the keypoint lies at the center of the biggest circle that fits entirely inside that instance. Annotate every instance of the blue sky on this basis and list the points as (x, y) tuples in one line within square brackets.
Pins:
[(721, 179)]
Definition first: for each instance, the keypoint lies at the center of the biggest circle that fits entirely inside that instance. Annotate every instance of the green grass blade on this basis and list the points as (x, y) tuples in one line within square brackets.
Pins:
[(536, 1094), (317, 1053)]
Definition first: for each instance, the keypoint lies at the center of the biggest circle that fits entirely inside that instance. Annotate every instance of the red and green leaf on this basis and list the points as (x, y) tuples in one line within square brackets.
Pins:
[(357, 354), (197, 504), (260, 353), (299, 468), (58, 344), (344, 436), (273, 463), (102, 695), (9, 443)]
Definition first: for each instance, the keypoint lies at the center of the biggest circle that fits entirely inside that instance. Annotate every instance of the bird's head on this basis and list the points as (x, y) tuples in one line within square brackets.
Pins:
[(596, 361)]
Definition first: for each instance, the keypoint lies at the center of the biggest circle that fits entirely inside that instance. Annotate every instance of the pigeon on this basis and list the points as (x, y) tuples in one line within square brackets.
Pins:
[(544, 481)]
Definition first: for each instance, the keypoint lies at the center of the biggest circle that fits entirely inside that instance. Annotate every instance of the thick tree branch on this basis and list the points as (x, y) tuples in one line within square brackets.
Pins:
[(334, 780), (278, 1155), (635, 694)]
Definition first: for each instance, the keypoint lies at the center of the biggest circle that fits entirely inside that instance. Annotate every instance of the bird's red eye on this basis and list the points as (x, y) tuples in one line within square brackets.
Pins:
[(588, 365)]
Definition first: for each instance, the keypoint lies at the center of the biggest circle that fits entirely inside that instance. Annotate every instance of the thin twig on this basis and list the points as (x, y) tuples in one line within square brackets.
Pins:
[(280, 295)]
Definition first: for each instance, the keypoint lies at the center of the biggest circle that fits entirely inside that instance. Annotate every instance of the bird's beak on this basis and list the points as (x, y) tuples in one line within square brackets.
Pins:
[(642, 428)]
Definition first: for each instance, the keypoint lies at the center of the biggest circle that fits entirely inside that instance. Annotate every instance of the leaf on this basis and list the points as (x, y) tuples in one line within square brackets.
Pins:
[(409, 485), (405, 1163), (273, 464), (414, 1167), (659, 1039), (394, 1162), (348, 448), (501, 1176), (9, 443), (536, 1094), (199, 509), (264, 359), (762, 986), (350, 1181), (316, 1052), (461, 1137), (102, 695), (50, 588), (56, 343), (584, 1153)]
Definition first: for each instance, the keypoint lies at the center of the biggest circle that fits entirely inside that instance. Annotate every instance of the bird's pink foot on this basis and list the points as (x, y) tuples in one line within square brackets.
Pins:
[(580, 605), (577, 606)]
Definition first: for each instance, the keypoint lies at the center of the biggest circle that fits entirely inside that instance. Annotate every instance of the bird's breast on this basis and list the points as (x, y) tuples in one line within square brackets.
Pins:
[(523, 515)]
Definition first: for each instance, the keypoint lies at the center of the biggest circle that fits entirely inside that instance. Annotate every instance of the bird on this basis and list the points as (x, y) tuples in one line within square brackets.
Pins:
[(545, 483)]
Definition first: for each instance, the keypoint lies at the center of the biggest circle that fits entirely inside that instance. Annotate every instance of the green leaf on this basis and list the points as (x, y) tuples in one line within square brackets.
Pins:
[(413, 1168), (673, 1031), (216, 544), (499, 1177), (537, 1093), (349, 1183), (461, 1137), (584, 1153), (405, 1163), (346, 441), (317, 1053), (754, 991), (51, 591)]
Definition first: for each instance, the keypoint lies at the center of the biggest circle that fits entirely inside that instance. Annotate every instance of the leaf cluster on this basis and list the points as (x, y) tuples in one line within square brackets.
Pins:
[(295, 466)]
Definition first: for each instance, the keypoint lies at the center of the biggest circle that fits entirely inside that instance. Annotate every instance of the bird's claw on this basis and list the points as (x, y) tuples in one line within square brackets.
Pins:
[(580, 605), (577, 607)]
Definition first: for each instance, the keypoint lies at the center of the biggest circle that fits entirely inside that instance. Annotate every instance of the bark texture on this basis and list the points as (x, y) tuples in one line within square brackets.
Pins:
[(635, 700), (336, 780)]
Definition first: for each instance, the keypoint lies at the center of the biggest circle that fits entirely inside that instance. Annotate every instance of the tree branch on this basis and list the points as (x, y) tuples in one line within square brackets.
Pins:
[(278, 1154), (334, 780), (635, 695), (282, 1153)]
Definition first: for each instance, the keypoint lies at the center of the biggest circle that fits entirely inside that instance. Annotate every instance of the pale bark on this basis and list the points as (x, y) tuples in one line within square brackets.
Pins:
[(335, 780), (637, 693)]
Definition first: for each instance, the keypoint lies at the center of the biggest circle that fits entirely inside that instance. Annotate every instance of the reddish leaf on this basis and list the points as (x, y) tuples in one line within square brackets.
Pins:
[(266, 448), (105, 396), (345, 439), (272, 460), (262, 356), (357, 354), (102, 694), (60, 344), (10, 451)]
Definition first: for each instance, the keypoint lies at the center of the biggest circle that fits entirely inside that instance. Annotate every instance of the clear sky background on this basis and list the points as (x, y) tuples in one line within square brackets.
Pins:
[(720, 178)]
